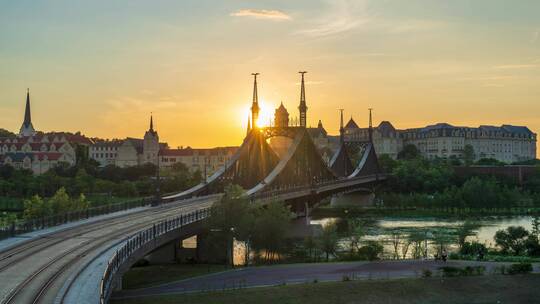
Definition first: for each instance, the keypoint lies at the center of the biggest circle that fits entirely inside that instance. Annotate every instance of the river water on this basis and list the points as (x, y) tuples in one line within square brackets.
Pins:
[(382, 228)]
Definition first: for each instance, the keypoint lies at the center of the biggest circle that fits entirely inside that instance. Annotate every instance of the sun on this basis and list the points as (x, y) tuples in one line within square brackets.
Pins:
[(266, 114)]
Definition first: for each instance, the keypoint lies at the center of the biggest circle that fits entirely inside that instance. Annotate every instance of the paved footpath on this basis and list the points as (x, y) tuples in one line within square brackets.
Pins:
[(303, 273)]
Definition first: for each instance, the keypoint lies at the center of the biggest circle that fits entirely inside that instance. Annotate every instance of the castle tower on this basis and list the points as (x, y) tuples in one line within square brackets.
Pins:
[(255, 103), (151, 144), (303, 107), (27, 129), (281, 116)]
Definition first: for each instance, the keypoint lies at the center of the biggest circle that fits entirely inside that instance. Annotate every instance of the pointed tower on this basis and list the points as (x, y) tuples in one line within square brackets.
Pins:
[(303, 107), (341, 128), (151, 144), (248, 125), (370, 127), (27, 129), (281, 116), (255, 102)]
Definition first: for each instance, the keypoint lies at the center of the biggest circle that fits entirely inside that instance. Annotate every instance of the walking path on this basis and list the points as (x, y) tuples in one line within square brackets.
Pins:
[(303, 273)]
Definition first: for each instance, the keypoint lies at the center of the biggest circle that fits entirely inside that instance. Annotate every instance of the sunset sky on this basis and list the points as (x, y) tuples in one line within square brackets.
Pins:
[(101, 67)]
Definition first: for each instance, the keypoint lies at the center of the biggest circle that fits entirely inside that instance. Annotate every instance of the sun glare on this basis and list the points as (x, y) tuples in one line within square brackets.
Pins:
[(266, 114)]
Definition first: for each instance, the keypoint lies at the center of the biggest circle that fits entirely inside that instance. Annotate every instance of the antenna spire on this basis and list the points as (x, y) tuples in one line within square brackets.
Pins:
[(303, 107), (370, 126), (255, 102), (341, 129)]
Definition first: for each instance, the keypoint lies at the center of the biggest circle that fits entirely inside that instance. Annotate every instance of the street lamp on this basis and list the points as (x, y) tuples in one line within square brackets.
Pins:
[(157, 199)]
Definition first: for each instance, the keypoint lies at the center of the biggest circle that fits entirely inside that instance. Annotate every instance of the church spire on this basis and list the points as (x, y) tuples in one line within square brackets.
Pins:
[(303, 107), (151, 123), (255, 102), (27, 115), (249, 124), (27, 129)]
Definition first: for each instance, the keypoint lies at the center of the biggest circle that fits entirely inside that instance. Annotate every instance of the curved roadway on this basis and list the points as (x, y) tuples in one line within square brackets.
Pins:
[(34, 271)]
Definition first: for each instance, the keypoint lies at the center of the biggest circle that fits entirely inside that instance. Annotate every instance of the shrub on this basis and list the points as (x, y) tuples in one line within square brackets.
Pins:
[(426, 273), (472, 248), (519, 268), (449, 271), (371, 251)]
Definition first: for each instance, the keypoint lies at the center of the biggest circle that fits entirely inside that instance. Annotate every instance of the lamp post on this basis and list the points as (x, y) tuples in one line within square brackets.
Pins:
[(157, 200)]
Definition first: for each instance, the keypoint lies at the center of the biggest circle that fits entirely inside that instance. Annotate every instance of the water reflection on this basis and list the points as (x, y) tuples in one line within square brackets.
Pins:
[(384, 229)]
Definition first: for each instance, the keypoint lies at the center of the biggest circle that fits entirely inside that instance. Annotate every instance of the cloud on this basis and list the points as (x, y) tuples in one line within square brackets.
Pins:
[(343, 16), (262, 14)]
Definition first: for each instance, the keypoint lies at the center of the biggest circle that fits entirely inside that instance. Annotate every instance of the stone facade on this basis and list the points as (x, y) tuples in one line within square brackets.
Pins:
[(130, 151), (38, 153), (202, 160), (506, 143)]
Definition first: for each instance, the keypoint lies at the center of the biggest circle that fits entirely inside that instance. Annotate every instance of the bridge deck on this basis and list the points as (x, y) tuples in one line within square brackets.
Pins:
[(35, 271)]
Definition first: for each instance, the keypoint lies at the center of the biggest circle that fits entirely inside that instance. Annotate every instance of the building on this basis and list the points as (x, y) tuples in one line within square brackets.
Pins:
[(506, 143), (27, 129), (105, 152), (202, 160), (38, 151), (130, 151), (386, 138)]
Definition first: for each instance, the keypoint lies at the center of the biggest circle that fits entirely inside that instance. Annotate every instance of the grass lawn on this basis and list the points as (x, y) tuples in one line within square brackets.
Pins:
[(477, 289), (139, 277)]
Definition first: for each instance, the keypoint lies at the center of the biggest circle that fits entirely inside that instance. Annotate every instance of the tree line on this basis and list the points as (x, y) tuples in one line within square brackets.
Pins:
[(416, 181)]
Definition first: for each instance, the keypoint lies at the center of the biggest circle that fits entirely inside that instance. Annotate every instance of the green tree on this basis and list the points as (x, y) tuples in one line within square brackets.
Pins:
[(371, 251), (328, 240), (409, 152), (468, 228), (36, 207), (232, 216), (512, 239), (271, 225), (387, 163), (60, 202), (310, 245), (418, 240), (355, 231), (468, 155)]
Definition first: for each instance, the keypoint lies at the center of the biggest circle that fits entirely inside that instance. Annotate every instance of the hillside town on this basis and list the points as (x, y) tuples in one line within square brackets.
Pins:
[(39, 151)]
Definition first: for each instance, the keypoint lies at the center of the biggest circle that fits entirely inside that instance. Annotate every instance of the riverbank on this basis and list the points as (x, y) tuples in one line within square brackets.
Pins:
[(478, 289)]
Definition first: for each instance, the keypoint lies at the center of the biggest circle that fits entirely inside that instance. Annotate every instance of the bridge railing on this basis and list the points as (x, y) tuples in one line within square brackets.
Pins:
[(25, 226), (140, 239), (273, 192)]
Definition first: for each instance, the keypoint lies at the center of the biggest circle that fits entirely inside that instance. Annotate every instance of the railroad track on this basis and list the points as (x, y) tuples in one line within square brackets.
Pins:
[(35, 287)]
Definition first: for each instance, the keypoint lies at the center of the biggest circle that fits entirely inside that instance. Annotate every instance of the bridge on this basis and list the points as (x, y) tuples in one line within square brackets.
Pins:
[(83, 262)]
